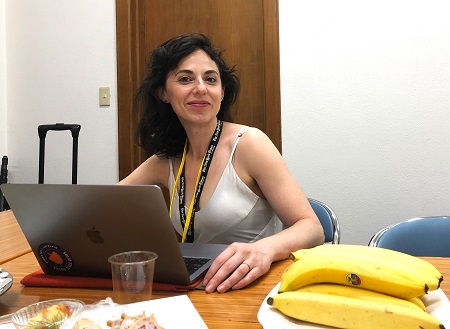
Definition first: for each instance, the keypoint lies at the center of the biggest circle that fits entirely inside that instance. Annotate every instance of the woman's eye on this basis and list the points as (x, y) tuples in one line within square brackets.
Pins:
[(184, 79), (211, 80)]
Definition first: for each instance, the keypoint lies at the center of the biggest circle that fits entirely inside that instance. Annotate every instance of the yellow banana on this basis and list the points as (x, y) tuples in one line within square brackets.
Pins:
[(366, 250), (352, 271), (364, 294), (404, 263), (350, 313)]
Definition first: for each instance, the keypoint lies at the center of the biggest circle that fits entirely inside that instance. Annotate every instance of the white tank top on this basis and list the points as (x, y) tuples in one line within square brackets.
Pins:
[(234, 212)]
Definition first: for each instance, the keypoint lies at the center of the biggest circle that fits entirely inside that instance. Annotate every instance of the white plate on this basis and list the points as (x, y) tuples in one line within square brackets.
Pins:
[(6, 281), (171, 312), (436, 303)]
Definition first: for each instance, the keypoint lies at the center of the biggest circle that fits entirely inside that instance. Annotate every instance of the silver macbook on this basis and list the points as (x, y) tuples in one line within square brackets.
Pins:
[(73, 229)]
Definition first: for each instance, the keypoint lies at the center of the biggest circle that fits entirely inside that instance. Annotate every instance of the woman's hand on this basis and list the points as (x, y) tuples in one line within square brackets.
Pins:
[(237, 266)]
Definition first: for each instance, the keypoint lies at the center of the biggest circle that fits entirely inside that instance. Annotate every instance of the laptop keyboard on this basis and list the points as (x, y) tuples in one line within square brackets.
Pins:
[(194, 263)]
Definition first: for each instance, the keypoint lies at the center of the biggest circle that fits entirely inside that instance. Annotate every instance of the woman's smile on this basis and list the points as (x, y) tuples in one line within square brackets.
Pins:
[(198, 103)]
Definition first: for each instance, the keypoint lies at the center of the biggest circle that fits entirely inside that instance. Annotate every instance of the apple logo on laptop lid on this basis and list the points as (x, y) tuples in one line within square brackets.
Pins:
[(94, 235)]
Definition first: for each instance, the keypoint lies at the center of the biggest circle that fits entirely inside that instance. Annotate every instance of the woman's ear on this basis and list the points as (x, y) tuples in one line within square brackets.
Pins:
[(162, 95)]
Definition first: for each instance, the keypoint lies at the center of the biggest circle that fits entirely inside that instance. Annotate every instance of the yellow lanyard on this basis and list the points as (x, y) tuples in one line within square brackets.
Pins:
[(199, 183), (191, 206)]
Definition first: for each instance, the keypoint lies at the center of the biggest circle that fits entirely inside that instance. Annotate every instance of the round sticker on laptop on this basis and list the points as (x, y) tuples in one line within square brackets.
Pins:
[(55, 257)]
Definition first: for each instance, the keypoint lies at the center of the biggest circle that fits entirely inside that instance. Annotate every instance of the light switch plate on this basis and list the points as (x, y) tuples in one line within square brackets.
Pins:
[(104, 96)]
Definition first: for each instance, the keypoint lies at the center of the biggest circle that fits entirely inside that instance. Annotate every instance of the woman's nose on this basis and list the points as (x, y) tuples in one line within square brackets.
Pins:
[(200, 87)]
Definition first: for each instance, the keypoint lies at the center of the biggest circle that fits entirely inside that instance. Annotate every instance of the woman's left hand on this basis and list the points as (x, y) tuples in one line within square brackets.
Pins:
[(237, 266)]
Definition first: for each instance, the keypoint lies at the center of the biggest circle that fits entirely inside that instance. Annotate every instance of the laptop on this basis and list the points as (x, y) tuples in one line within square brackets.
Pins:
[(73, 229)]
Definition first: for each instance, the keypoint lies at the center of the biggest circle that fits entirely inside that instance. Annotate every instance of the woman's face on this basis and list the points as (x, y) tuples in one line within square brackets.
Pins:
[(194, 89)]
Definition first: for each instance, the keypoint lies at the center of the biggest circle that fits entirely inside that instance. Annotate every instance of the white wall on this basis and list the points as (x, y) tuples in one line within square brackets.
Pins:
[(366, 108), (58, 54), (365, 100), (2, 81)]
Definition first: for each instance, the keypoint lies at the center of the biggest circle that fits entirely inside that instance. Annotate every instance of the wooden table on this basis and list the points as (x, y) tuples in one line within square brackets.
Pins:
[(234, 309), (13, 242)]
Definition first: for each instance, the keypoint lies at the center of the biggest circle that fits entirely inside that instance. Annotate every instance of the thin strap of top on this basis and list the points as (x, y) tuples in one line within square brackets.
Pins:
[(236, 141)]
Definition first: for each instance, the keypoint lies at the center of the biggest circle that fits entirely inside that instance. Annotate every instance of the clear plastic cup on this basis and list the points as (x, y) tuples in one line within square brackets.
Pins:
[(132, 276)]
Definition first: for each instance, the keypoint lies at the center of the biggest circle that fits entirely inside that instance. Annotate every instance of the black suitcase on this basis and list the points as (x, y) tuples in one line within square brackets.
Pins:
[(4, 180), (42, 132)]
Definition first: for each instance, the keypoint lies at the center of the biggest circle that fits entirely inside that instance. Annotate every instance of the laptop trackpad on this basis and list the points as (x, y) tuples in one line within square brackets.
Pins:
[(199, 257)]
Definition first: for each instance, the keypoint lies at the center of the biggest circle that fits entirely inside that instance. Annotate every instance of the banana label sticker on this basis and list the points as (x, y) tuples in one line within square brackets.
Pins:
[(353, 278), (55, 257)]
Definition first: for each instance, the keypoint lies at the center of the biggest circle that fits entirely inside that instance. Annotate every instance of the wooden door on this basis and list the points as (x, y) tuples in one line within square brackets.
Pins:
[(246, 31)]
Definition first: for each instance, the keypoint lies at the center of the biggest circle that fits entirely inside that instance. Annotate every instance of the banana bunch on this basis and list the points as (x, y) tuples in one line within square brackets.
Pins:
[(381, 270), (333, 306), (350, 286)]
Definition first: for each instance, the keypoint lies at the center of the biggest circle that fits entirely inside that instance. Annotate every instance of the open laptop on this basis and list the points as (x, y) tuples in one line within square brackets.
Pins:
[(73, 229)]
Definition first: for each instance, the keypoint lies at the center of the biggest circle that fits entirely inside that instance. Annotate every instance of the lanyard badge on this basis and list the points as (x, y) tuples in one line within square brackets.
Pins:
[(187, 220)]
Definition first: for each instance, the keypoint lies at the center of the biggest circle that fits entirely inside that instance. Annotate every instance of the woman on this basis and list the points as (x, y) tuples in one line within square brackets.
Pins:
[(226, 181)]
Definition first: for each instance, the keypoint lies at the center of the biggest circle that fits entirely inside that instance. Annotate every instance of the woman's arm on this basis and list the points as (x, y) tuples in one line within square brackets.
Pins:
[(260, 165), (271, 174), (152, 171)]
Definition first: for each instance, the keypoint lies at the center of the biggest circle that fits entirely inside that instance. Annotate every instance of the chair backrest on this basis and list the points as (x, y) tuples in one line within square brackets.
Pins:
[(328, 220), (423, 236)]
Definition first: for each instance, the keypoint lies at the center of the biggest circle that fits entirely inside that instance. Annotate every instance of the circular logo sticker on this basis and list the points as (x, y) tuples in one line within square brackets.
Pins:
[(55, 257), (353, 278)]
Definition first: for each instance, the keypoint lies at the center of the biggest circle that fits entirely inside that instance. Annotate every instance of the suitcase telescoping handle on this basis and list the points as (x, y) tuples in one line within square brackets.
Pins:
[(3, 180), (42, 132)]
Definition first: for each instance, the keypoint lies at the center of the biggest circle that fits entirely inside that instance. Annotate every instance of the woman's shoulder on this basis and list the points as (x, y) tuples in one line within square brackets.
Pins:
[(233, 129), (154, 170), (252, 141), (250, 135)]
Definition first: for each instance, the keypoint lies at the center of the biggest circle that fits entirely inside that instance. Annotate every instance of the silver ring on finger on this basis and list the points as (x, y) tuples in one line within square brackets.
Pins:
[(249, 268)]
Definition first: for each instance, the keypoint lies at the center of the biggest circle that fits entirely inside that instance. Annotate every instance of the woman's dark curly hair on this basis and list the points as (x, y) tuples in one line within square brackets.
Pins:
[(159, 129)]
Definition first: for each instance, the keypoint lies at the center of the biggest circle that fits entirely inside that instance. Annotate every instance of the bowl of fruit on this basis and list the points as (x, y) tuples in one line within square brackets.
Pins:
[(50, 314)]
